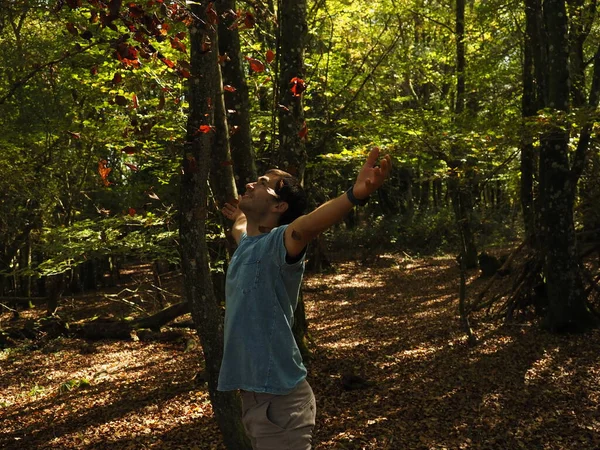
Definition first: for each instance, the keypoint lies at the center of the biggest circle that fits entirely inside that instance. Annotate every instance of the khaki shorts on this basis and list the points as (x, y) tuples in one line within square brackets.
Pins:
[(280, 422)]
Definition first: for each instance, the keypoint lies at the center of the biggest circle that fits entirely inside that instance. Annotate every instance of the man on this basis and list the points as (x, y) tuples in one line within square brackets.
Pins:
[(260, 356)]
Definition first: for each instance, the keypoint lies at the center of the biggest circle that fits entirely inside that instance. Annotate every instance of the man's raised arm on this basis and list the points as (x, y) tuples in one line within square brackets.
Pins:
[(239, 220), (302, 230)]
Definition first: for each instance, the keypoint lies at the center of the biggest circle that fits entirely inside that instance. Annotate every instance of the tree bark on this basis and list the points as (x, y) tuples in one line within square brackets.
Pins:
[(461, 191), (568, 310), (529, 107), (203, 86), (242, 154), (293, 32)]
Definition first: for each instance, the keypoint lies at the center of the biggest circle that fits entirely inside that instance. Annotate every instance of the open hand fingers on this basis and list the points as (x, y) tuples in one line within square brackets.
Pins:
[(372, 158), (229, 210)]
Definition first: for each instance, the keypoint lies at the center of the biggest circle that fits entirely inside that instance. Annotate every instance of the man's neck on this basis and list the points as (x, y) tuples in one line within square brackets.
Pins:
[(258, 227)]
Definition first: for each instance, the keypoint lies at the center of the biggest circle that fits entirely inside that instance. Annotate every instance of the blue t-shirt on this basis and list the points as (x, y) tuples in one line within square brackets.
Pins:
[(260, 353)]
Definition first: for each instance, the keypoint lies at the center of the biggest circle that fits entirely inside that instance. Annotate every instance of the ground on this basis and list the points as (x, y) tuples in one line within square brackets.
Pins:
[(391, 369)]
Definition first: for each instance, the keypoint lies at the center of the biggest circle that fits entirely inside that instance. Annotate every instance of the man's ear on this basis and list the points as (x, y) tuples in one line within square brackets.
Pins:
[(281, 207)]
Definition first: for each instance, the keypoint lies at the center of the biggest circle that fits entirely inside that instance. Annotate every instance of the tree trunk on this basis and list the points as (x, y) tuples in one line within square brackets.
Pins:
[(203, 86), (240, 140), (292, 31), (221, 172), (292, 155), (461, 191), (568, 310), (529, 108)]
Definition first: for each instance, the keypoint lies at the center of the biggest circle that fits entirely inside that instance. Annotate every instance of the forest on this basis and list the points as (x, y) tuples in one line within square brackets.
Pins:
[(458, 309)]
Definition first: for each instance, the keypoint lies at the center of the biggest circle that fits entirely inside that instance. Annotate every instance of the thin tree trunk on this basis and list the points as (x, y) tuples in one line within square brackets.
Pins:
[(203, 87), (236, 99), (292, 155), (529, 108), (293, 31), (461, 190)]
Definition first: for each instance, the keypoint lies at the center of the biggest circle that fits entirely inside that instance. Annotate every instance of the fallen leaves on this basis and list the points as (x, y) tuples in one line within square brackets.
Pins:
[(394, 324)]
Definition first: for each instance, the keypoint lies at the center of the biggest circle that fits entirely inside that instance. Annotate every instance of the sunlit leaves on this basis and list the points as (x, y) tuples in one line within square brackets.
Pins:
[(104, 171)]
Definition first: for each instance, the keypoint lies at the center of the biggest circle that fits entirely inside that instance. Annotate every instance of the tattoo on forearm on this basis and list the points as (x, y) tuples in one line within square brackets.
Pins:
[(296, 236)]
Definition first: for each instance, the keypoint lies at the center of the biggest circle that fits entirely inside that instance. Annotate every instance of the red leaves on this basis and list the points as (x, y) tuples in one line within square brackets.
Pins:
[(128, 55), (132, 167), (170, 64), (270, 56), (184, 73), (255, 64), (131, 212), (72, 29), (205, 129), (117, 78), (222, 59), (74, 4), (229, 88), (211, 15), (178, 45), (74, 135), (130, 150), (242, 20), (136, 11), (303, 131), (104, 171), (249, 20), (134, 99), (298, 86)]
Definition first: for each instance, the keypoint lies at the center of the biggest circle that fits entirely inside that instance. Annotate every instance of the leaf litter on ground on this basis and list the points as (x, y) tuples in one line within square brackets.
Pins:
[(390, 368)]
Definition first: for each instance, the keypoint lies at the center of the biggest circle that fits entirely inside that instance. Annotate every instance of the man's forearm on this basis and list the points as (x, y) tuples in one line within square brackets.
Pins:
[(239, 227), (324, 217)]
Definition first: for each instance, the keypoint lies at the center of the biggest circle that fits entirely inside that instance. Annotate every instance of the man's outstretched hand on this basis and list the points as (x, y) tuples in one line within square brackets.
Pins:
[(231, 211), (371, 177)]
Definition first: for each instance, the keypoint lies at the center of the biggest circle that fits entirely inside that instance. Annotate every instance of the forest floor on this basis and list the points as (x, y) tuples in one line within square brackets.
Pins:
[(393, 323)]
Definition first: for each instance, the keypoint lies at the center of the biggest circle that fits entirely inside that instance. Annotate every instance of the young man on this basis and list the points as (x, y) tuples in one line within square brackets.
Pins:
[(260, 356)]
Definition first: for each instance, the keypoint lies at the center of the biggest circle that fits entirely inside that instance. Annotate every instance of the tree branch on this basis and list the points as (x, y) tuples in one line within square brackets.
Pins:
[(585, 136), (23, 81)]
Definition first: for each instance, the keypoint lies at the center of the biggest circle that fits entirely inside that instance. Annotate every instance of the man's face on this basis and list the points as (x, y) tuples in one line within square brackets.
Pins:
[(260, 195)]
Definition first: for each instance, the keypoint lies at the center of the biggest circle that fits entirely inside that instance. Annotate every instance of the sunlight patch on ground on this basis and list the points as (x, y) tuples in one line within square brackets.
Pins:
[(547, 368)]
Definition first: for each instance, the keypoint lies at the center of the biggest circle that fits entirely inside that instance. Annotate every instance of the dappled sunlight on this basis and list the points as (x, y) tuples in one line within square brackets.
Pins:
[(127, 391), (430, 388)]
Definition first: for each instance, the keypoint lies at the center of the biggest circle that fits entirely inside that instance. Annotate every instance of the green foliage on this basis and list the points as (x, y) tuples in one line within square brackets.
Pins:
[(148, 237), (426, 234), (68, 386), (35, 391)]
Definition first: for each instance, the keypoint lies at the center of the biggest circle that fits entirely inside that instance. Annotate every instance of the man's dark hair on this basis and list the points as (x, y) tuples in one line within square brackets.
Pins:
[(289, 190)]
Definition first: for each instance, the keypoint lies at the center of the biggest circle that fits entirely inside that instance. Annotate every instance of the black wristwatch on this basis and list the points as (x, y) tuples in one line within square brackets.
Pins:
[(355, 201)]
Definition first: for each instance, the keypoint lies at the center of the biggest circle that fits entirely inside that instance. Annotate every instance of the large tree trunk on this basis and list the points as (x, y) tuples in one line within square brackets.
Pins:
[(237, 101), (292, 155), (203, 87), (292, 31), (568, 310)]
